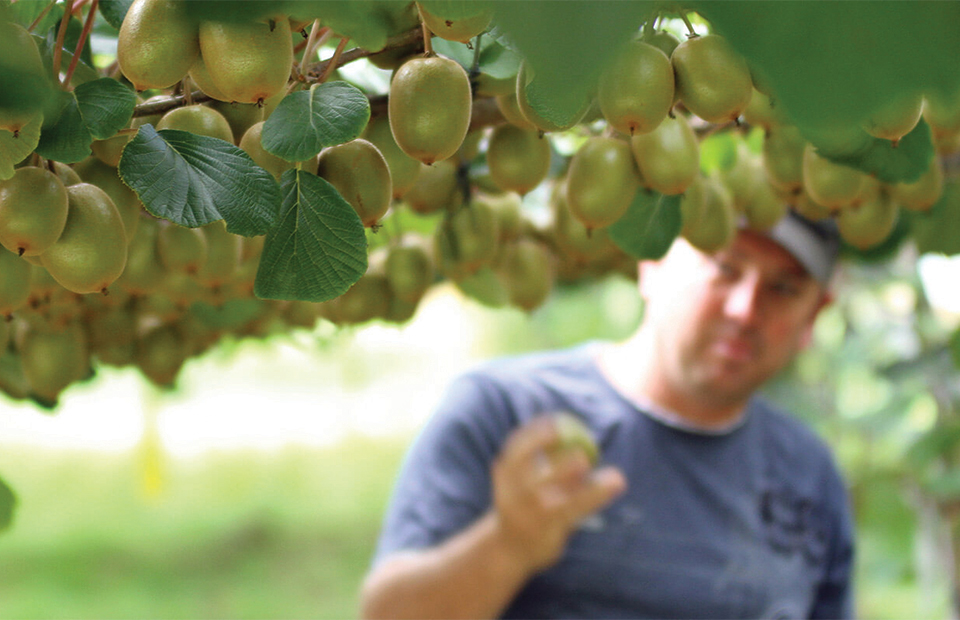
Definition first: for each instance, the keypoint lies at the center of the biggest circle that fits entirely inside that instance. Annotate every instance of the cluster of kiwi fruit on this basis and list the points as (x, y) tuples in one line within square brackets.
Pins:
[(88, 276)]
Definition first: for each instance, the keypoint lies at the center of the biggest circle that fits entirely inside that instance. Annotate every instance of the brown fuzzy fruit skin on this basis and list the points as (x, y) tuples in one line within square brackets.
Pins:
[(668, 157), (248, 62), (636, 89), (404, 170), (199, 120), (519, 159), (15, 276), (157, 44), (18, 51), (53, 359), (361, 175), (527, 271), (713, 80), (92, 251), (429, 108), (461, 30), (601, 181), (33, 211)]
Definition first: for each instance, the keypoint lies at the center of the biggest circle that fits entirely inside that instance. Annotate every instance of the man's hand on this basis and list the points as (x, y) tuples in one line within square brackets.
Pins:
[(540, 500)]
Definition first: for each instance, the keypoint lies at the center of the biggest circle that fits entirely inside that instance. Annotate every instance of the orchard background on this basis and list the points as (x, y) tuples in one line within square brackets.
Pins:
[(205, 399)]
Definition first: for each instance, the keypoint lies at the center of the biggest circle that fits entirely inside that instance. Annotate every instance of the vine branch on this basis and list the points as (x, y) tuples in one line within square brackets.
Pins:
[(404, 39), (61, 37), (84, 35), (42, 14)]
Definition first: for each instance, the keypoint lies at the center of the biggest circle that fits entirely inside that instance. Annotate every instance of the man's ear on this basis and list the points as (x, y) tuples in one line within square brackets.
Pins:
[(826, 298)]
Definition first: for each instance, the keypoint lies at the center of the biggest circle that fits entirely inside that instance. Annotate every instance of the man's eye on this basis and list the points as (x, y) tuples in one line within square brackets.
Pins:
[(786, 289), (726, 268)]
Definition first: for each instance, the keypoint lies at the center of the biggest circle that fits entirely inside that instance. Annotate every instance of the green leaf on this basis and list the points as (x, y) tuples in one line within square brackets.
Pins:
[(495, 60), (15, 150), (22, 85), (94, 110), (114, 11), (368, 23), (904, 163), (106, 106), (566, 44), (831, 64), (455, 9), (8, 502), (318, 248), (306, 122), (24, 13), (935, 231), (649, 226), (194, 180), (66, 139)]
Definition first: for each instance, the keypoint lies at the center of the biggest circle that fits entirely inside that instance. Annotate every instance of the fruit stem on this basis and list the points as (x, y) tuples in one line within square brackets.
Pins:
[(648, 29), (42, 14), (84, 35), (61, 37), (427, 44), (318, 36), (334, 61), (690, 31)]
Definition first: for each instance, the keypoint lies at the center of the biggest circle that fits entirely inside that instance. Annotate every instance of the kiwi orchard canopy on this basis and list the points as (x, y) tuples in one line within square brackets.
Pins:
[(248, 187)]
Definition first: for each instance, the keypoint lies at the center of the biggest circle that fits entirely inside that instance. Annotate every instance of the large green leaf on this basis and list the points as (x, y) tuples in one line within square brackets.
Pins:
[(114, 11), (903, 163), (106, 106), (66, 138), (14, 150), (831, 64), (23, 86), (306, 122), (8, 502), (455, 9), (318, 248), (649, 226), (194, 180), (94, 110), (25, 13), (566, 44)]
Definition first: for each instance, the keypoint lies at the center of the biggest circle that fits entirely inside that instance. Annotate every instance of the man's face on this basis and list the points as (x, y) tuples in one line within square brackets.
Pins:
[(727, 322)]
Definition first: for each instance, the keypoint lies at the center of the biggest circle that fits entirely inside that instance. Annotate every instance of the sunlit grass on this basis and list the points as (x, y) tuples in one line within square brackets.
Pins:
[(240, 534)]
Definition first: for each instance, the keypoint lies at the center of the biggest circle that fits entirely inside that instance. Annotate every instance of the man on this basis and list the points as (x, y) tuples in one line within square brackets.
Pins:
[(707, 503)]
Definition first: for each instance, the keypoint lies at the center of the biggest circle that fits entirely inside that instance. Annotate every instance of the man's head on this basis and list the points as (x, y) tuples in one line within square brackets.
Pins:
[(724, 323)]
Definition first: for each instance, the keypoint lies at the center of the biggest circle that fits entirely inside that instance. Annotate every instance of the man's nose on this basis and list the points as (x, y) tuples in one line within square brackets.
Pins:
[(743, 300)]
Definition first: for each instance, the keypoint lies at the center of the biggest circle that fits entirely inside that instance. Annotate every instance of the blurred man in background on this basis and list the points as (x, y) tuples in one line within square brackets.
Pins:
[(707, 502)]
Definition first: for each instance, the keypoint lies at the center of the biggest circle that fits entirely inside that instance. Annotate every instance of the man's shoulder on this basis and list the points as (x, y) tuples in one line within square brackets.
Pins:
[(797, 447), (550, 365)]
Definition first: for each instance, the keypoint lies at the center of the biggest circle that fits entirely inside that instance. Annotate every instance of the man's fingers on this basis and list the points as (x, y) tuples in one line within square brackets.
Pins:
[(528, 442), (603, 486)]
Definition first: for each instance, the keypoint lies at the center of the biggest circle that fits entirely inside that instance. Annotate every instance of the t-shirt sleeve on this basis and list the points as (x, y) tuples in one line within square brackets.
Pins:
[(444, 481), (834, 597)]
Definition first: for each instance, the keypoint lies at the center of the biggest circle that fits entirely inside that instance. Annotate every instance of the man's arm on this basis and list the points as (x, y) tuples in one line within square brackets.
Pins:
[(538, 503)]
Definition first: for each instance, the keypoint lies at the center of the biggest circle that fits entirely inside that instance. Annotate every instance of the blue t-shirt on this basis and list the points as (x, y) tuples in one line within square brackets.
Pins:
[(753, 523)]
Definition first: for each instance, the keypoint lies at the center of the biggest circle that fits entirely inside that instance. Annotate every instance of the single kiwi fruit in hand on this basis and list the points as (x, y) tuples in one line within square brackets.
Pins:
[(575, 435)]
